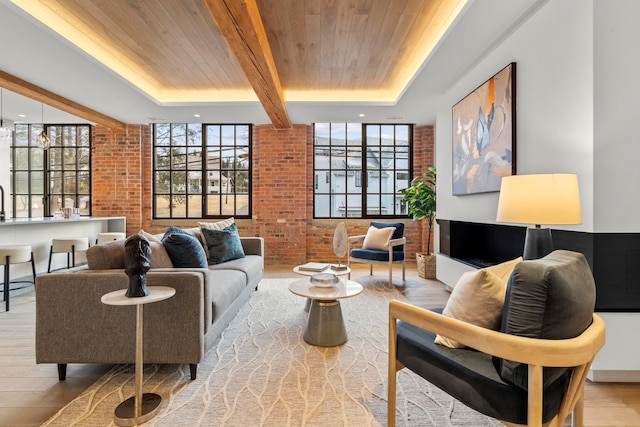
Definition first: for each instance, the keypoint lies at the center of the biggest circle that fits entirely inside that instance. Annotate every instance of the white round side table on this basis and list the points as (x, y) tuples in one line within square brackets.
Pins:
[(140, 407)]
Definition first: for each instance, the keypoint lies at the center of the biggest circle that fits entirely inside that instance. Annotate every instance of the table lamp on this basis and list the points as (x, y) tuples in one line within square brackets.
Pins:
[(551, 199)]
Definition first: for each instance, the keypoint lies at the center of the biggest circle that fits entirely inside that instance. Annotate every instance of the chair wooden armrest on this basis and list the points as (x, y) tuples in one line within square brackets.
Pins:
[(577, 352), (559, 353), (397, 242), (354, 239)]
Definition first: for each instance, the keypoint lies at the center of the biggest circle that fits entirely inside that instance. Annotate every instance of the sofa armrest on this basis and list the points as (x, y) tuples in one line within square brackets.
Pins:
[(73, 326), (253, 245)]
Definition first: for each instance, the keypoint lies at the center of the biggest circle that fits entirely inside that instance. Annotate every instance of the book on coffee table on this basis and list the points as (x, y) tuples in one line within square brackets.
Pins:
[(313, 266)]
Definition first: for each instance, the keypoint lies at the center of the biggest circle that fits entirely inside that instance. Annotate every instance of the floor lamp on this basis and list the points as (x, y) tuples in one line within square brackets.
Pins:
[(551, 199)]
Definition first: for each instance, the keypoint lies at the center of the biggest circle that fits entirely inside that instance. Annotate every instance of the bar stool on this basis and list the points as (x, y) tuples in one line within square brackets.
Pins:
[(15, 254), (70, 247), (110, 237)]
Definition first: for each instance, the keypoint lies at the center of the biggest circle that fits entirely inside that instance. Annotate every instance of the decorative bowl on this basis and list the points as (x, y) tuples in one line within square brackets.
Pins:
[(324, 280)]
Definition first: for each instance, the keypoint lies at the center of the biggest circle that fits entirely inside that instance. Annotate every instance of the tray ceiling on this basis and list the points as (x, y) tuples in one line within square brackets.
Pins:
[(314, 50)]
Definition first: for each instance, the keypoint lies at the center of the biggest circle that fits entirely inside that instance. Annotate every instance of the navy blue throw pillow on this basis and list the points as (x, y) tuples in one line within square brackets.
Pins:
[(224, 245), (184, 249)]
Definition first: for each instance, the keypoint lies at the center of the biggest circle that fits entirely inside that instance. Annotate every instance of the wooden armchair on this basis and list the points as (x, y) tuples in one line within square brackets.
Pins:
[(394, 254), (533, 371)]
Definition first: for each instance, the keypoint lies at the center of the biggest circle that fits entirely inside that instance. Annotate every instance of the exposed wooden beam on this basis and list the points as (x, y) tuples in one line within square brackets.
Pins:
[(241, 25), (24, 88)]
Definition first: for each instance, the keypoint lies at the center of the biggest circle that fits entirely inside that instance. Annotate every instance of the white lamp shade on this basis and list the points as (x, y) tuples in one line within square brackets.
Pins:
[(540, 199)]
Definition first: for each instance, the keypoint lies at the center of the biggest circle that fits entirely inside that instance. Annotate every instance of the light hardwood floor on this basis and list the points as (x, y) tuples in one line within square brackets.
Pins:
[(30, 393)]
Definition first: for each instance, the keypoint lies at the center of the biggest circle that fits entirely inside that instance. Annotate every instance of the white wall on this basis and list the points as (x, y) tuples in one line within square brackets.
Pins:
[(616, 170), (554, 107), (577, 87), (616, 110)]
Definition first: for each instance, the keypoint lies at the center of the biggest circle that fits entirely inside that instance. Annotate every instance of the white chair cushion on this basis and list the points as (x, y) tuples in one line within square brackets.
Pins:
[(478, 298), (17, 253), (64, 245), (378, 238)]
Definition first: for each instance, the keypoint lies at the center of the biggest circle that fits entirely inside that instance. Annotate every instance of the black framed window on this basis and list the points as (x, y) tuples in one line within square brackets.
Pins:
[(355, 188), (45, 181), (201, 170)]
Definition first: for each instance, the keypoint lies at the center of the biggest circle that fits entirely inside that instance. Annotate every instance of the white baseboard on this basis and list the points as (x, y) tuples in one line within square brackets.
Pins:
[(601, 376)]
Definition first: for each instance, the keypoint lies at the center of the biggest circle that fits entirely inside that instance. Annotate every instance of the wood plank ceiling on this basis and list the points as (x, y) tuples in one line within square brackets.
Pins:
[(274, 51)]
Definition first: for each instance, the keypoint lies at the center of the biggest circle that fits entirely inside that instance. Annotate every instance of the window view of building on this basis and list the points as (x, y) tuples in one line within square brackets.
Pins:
[(202, 170), (348, 186), (45, 181)]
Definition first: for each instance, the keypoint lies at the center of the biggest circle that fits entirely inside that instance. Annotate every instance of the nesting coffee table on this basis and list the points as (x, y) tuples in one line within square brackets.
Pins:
[(325, 325)]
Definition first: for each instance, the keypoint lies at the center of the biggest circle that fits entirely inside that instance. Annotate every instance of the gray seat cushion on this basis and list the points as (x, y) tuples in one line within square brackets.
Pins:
[(250, 265), (224, 287)]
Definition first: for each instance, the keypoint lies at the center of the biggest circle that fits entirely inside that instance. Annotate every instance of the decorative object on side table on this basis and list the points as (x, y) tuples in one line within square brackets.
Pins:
[(324, 280), (421, 200), (137, 261), (314, 267), (340, 246)]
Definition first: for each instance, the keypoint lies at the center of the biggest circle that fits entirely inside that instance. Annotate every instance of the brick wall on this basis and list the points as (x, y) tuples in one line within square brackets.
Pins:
[(116, 173), (282, 190)]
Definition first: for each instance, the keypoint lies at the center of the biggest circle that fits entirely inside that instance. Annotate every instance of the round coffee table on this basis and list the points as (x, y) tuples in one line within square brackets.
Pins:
[(341, 272), (325, 326)]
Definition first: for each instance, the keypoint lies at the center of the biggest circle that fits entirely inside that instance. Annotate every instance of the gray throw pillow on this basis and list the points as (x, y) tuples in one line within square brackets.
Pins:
[(106, 256), (549, 298), (184, 249), (224, 245)]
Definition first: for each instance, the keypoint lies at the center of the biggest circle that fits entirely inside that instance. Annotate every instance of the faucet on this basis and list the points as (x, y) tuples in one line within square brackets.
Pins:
[(2, 214)]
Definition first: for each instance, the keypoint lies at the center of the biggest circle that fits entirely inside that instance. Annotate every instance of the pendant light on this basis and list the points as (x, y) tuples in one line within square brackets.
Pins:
[(5, 132), (43, 140)]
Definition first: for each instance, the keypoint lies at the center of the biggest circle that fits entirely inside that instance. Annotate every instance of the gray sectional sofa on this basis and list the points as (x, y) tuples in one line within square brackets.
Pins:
[(73, 326)]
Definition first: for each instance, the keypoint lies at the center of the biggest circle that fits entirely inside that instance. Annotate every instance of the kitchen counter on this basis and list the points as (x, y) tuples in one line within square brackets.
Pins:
[(38, 232)]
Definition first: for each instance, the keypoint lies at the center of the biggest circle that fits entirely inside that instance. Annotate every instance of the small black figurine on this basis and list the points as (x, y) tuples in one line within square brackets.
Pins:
[(137, 261)]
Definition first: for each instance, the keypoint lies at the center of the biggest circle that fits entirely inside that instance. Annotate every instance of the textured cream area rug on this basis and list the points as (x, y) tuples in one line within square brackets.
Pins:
[(261, 373)]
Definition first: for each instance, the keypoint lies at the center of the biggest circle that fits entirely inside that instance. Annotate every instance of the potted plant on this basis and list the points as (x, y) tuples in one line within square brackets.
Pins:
[(421, 201)]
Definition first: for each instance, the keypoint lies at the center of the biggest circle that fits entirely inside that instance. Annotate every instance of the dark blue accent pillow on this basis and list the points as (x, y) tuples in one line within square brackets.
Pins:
[(184, 249), (224, 245)]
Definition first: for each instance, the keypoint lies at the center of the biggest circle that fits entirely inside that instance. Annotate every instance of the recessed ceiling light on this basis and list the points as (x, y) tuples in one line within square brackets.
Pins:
[(22, 115), (196, 115), (361, 115)]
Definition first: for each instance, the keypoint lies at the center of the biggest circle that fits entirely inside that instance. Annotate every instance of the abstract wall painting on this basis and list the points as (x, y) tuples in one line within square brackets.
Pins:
[(484, 135)]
